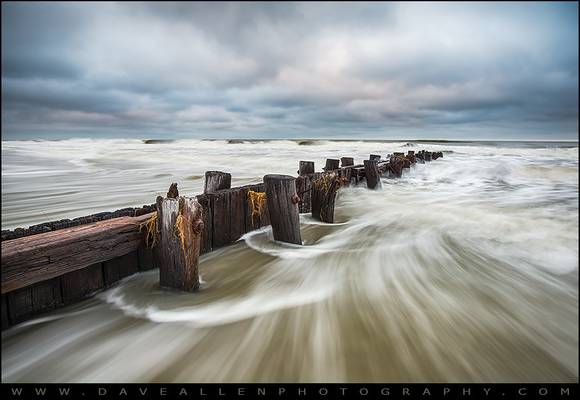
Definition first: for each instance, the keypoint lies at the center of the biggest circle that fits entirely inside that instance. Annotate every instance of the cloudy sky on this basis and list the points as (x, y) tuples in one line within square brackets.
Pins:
[(217, 70)]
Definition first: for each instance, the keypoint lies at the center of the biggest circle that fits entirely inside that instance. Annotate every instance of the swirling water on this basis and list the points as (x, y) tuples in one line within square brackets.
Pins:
[(465, 269)]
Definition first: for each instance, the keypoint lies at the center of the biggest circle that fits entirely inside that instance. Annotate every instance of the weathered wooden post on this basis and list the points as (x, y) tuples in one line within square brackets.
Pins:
[(324, 190), (180, 223), (375, 157), (411, 156), (306, 167), (282, 203), (427, 155), (346, 161), (396, 166), (420, 157), (331, 164), (217, 180), (372, 174)]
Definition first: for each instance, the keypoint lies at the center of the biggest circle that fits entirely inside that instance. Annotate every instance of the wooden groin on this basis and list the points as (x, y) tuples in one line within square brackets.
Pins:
[(51, 265)]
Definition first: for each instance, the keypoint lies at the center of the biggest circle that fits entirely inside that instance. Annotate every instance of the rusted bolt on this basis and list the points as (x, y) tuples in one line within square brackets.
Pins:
[(295, 199)]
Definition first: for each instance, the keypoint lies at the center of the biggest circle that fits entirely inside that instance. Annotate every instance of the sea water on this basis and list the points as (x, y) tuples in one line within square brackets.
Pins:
[(464, 269)]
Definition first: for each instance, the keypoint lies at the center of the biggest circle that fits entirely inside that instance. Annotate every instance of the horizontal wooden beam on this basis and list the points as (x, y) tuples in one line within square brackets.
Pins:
[(31, 259)]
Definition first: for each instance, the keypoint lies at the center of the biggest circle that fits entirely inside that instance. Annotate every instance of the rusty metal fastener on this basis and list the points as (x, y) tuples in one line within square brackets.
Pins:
[(295, 199)]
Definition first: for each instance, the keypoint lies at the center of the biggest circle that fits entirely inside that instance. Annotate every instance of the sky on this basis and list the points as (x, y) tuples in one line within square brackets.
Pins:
[(290, 70)]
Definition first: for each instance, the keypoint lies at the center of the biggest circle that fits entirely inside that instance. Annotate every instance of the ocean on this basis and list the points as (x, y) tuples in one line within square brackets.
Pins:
[(463, 270)]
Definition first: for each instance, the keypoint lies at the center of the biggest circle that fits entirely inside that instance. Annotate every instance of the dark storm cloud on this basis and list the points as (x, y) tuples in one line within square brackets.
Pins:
[(290, 69)]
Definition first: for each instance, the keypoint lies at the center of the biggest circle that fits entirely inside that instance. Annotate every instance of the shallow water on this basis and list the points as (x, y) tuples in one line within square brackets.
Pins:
[(465, 269)]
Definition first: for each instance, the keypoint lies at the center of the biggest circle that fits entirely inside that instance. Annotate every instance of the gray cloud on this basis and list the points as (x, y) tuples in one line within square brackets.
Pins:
[(290, 69)]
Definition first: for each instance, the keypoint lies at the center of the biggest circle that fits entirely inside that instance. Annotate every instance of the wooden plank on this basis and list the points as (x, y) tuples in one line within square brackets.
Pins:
[(265, 217), (228, 215), (77, 285), (146, 258), (120, 267), (20, 305), (44, 256), (207, 231), (221, 223), (5, 318), (303, 189), (237, 213), (46, 295)]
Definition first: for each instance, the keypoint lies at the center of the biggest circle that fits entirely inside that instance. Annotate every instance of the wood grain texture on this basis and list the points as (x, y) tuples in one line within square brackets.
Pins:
[(324, 195), (179, 244), (372, 174), (304, 191), (20, 305), (306, 167), (77, 285), (146, 258), (217, 180), (396, 166), (46, 295), (5, 318), (283, 211), (206, 241), (237, 213), (346, 161), (331, 164), (220, 204), (120, 267), (37, 258)]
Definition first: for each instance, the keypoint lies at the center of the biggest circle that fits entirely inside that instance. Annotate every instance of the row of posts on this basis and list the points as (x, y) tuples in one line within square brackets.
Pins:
[(179, 220)]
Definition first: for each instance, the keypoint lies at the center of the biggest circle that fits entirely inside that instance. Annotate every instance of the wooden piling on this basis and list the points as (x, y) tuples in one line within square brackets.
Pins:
[(304, 191), (396, 165), (372, 174), (436, 155), (420, 157), (375, 157), (331, 164), (53, 264), (217, 180), (180, 224), (306, 167), (324, 190), (346, 161), (282, 203)]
